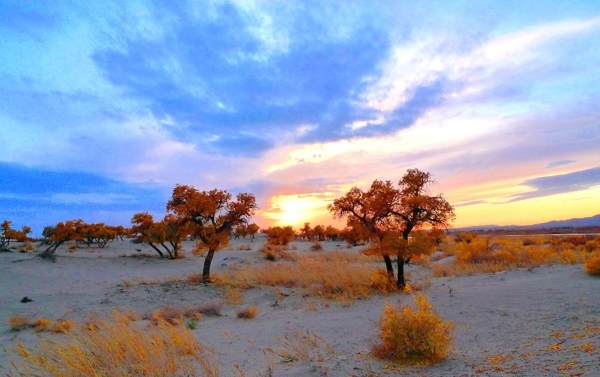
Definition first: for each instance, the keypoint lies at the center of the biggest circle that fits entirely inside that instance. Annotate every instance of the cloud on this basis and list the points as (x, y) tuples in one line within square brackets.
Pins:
[(554, 164), (91, 198), (214, 75), (559, 184)]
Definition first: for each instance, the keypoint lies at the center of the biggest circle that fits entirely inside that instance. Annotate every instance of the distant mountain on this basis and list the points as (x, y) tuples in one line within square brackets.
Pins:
[(571, 223)]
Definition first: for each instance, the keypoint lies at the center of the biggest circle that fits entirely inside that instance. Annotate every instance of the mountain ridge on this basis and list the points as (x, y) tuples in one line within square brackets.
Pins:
[(578, 222)]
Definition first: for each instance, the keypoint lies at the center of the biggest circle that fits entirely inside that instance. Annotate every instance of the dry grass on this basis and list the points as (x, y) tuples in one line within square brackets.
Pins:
[(247, 313), (114, 348), (233, 295), (169, 314), (494, 254), (305, 347), (413, 336), (276, 252), (176, 315), (335, 275), (19, 323)]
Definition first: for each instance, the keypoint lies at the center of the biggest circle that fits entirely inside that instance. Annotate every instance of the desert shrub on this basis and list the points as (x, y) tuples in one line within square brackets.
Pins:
[(275, 252), (591, 246), (61, 326), (475, 251), (413, 336), (211, 309), (170, 314), (466, 237), (576, 240), (247, 313), (592, 264), (421, 260), (114, 348), (381, 281), (42, 324), (316, 246), (19, 322)]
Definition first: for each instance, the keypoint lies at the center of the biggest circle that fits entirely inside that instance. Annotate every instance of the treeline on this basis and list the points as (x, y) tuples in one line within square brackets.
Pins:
[(8, 234), (391, 218)]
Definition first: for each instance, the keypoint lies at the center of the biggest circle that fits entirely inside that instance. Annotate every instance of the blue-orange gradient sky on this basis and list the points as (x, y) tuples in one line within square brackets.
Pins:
[(106, 105)]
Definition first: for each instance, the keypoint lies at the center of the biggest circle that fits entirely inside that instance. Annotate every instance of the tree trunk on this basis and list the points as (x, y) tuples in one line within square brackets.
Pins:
[(207, 262), (401, 280), (157, 250), (389, 267)]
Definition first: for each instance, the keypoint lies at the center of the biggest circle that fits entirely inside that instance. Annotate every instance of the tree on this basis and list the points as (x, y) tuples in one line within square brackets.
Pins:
[(390, 214), (211, 216), (371, 211), (280, 235), (417, 210), (158, 233), (6, 229), (306, 232), (59, 234), (252, 229)]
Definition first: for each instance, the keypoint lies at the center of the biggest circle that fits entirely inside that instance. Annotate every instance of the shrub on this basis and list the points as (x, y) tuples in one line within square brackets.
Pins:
[(591, 246), (316, 246), (592, 264), (19, 322), (113, 348), (413, 337), (247, 313), (275, 252), (169, 314)]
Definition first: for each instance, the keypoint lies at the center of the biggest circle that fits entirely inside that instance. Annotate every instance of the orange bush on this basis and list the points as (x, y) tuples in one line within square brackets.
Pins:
[(592, 264)]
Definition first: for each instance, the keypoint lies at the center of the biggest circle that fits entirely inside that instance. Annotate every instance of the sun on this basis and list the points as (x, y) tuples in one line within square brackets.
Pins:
[(295, 210)]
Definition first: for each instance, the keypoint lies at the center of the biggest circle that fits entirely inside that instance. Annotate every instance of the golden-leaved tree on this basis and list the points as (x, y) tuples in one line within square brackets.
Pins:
[(391, 213), (211, 216)]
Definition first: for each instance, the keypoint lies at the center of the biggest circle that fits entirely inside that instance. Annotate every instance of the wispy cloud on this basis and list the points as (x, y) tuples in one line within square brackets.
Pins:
[(563, 183)]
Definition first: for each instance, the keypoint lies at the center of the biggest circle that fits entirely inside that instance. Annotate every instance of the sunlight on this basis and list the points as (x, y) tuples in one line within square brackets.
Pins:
[(295, 210)]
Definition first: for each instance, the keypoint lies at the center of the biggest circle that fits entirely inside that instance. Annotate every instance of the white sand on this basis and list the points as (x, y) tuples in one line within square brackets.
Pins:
[(513, 313)]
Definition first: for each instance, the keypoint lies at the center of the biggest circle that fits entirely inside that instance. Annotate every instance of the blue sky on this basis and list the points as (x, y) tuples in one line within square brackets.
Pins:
[(105, 106)]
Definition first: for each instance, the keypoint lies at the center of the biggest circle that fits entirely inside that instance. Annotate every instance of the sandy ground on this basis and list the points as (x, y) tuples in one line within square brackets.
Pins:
[(506, 321)]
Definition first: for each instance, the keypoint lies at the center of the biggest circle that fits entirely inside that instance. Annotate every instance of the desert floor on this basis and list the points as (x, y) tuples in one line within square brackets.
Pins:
[(539, 322)]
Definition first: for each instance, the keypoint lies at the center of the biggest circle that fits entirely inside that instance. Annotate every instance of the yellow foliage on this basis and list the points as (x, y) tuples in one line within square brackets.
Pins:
[(592, 264), (414, 336), (381, 281), (41, 324), (61, 326)]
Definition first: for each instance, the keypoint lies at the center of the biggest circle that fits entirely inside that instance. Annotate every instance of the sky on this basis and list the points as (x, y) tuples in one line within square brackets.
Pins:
[(106, 105)]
